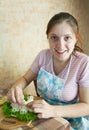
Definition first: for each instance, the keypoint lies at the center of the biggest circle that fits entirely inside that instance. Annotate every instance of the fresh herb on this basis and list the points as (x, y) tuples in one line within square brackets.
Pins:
[(8, 112), (25, 97)]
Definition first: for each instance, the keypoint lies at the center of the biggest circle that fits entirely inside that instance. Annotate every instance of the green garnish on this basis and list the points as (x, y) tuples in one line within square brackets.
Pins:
[(25, 97), (8, 112)]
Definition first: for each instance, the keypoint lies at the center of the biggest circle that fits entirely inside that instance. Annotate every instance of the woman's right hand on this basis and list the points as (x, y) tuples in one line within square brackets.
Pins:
[(15, 94)]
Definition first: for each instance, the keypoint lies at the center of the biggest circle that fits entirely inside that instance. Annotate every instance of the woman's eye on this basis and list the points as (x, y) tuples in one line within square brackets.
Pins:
[(54, 38), (67, 38)]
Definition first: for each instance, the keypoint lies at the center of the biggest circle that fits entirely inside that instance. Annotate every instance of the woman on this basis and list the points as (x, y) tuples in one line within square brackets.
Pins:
[(62, 74)]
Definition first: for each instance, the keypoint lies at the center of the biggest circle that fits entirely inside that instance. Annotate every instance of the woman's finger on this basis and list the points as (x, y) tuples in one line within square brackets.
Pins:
[(38, 110), (19, 95), (30, 104), (11, 95), (39, 116)]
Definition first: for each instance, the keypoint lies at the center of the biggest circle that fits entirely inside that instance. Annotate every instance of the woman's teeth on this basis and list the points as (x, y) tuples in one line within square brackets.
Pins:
[(58, 51)]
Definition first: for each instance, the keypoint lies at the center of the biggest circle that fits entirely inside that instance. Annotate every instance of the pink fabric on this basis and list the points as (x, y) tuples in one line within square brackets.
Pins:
[(78, 73)]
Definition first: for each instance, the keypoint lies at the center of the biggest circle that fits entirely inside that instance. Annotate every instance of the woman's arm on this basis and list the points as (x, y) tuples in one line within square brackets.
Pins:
[(15, 94), (75, 110), (46, 110)]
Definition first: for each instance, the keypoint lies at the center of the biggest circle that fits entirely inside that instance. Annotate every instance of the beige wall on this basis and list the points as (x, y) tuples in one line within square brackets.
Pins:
[(22, 32)]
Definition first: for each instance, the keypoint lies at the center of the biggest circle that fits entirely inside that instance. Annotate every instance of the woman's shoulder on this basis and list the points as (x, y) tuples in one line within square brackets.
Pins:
[(81, 57), (45, 53), (79, 64)]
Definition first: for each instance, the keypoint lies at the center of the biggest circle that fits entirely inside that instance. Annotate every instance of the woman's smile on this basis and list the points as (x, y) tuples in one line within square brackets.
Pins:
[(60, 52)]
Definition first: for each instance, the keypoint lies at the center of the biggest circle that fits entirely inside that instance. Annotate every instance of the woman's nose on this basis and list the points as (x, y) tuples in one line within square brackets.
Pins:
[(60, 43)]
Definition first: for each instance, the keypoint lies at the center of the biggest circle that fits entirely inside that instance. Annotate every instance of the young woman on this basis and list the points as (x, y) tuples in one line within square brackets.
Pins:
[(62, 74)]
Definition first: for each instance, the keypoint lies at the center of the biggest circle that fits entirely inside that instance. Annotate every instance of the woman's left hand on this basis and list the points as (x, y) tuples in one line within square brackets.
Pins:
[(41, 107)]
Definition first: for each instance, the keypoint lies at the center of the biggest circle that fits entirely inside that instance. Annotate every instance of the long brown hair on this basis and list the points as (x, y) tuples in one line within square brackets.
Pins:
[(64, 16)]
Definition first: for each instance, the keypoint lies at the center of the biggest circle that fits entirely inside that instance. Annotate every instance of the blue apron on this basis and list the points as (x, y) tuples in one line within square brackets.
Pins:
[(50, 87)]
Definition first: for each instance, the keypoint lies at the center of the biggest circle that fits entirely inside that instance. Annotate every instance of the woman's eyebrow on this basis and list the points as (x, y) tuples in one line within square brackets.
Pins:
[(68, 34), (52, 34)]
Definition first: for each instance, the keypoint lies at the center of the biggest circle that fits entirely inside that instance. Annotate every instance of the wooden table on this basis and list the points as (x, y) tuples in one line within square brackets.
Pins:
[(39, 124)]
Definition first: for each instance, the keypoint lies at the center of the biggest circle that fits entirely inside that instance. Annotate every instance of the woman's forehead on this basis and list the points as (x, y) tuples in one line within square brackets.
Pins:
[(60, 28)]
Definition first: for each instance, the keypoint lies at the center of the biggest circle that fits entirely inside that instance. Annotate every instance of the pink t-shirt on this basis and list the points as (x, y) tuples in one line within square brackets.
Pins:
[(78, 73)]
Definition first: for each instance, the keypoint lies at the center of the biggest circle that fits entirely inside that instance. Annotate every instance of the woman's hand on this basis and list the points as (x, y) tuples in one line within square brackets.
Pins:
[(41, 107), (15, 94)]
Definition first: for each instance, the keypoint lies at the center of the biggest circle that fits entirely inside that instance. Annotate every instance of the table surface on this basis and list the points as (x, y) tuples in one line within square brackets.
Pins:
[(39, 124)]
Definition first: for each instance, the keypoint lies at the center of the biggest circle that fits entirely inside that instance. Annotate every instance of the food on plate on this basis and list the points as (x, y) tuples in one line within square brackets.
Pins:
[(20, 112)]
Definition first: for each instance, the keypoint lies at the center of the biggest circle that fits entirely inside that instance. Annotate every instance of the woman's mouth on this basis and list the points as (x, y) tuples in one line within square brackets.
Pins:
[(60, 51)]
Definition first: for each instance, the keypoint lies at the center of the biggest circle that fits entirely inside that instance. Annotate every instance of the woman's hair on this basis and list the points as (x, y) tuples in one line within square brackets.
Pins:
[(64, 16)]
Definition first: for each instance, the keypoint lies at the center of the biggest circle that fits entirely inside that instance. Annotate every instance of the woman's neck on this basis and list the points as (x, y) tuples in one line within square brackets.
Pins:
[(59, 65)]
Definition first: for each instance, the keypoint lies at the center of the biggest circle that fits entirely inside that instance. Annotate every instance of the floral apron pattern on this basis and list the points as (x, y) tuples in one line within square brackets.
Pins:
[(50, 87)]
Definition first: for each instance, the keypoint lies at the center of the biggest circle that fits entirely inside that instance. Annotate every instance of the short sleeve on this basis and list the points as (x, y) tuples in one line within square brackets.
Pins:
[(84, 77), (38, 62)]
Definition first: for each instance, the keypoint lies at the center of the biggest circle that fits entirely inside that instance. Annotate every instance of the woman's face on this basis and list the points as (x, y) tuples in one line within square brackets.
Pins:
[(62, 40)]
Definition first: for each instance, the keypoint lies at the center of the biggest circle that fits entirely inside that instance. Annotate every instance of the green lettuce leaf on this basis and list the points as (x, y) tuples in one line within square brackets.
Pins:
[(28, 116)]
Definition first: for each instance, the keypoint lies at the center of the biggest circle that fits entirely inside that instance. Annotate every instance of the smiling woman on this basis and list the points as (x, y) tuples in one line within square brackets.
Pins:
[(62, 41), (62, 74)]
